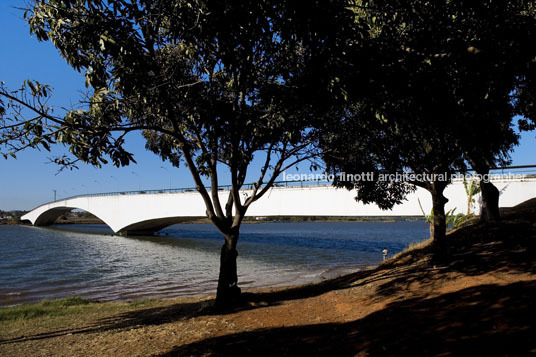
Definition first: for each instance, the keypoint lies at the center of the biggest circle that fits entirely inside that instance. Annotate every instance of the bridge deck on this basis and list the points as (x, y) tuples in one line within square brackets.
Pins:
[(149, 211)]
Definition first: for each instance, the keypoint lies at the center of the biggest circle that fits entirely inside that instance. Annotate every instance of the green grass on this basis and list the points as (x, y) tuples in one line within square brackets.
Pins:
[(67, 306), (143, 302), (410, 248)]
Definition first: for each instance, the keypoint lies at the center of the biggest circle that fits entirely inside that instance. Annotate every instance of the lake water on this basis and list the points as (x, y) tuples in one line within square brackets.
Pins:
[(89, 261)]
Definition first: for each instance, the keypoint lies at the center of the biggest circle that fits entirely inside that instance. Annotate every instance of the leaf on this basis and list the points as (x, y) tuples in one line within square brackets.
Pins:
[(32, 87)]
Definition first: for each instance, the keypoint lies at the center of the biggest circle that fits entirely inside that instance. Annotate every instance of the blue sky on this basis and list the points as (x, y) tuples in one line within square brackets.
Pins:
[(30, 180)]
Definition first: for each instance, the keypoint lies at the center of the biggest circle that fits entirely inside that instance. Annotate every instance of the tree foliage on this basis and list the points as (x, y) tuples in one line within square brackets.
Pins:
[(446, 82), (209, 83)]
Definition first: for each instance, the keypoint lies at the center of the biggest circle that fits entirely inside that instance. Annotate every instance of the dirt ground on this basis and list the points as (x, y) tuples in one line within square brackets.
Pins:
[(480, 301)]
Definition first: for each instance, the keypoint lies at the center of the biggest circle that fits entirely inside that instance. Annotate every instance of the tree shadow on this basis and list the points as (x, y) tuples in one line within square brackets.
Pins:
[(182, 311), (130, 319), (508, 246), (484, 320), (307, 291)]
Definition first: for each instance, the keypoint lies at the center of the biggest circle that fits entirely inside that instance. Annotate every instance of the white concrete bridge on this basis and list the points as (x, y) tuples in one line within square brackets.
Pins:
[(145, 212)]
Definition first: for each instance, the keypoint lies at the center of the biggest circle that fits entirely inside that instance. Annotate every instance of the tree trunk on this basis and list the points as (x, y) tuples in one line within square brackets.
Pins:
[(228, 292), (438, 228), (490, 202), (469, 201)]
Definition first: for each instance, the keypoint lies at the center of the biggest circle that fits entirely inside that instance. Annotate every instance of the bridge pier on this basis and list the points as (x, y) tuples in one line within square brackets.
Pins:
[(133, 233)]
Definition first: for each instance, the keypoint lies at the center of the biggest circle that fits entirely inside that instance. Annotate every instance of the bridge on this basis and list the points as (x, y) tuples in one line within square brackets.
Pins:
[(146, 212)]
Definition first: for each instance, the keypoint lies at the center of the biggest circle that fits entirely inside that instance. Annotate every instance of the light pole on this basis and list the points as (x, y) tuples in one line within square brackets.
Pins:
[(54, 195)]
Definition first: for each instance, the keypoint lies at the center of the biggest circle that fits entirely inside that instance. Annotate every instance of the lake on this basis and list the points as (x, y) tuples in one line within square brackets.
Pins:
[(183, 260)]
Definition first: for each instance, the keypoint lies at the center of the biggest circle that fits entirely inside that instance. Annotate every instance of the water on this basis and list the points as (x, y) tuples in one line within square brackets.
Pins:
[(89, 261)]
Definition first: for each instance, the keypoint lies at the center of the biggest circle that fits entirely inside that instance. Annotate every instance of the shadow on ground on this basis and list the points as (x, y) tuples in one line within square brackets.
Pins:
[(486, 320), (480, 248), (183, 311), (129, 320)]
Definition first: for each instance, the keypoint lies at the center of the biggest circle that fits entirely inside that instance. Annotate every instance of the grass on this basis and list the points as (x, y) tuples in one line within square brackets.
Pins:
[(412, 247), (70, 306), (61, 307), (143, 302), (73, 313)]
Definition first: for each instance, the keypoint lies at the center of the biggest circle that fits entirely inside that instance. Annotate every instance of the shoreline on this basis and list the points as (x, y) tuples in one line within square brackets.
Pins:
[(296, 279), (290, 275), (331, 277), (254, 220), (292, 272)]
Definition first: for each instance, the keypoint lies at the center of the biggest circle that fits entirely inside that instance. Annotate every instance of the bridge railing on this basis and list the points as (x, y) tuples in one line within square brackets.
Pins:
[(245, 187), (248, 186)]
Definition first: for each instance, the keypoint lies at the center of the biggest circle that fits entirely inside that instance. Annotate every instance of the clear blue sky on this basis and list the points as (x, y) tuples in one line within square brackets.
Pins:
[(30, 180)]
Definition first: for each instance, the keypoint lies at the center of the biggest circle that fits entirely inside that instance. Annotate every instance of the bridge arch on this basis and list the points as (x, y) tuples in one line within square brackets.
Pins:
[(146, 227), (49, 216), (126, 214), (150, 226)]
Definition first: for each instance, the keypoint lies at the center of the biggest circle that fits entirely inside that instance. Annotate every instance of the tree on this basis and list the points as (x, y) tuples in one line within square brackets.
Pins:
[(472, 189), (406, 143), (486, 49), (497, 37), (442, 72), (208, 83), (411, 113)]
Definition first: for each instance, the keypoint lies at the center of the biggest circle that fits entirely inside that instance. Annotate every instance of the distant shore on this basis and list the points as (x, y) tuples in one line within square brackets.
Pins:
[(9, 222), (249, 220)]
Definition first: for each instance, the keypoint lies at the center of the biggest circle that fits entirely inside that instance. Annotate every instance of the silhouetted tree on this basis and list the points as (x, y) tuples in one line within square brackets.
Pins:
[(446, 81), (208, 83)]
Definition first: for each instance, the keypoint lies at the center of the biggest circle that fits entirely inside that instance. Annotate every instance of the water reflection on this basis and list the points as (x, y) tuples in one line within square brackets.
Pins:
[(89, 261)]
